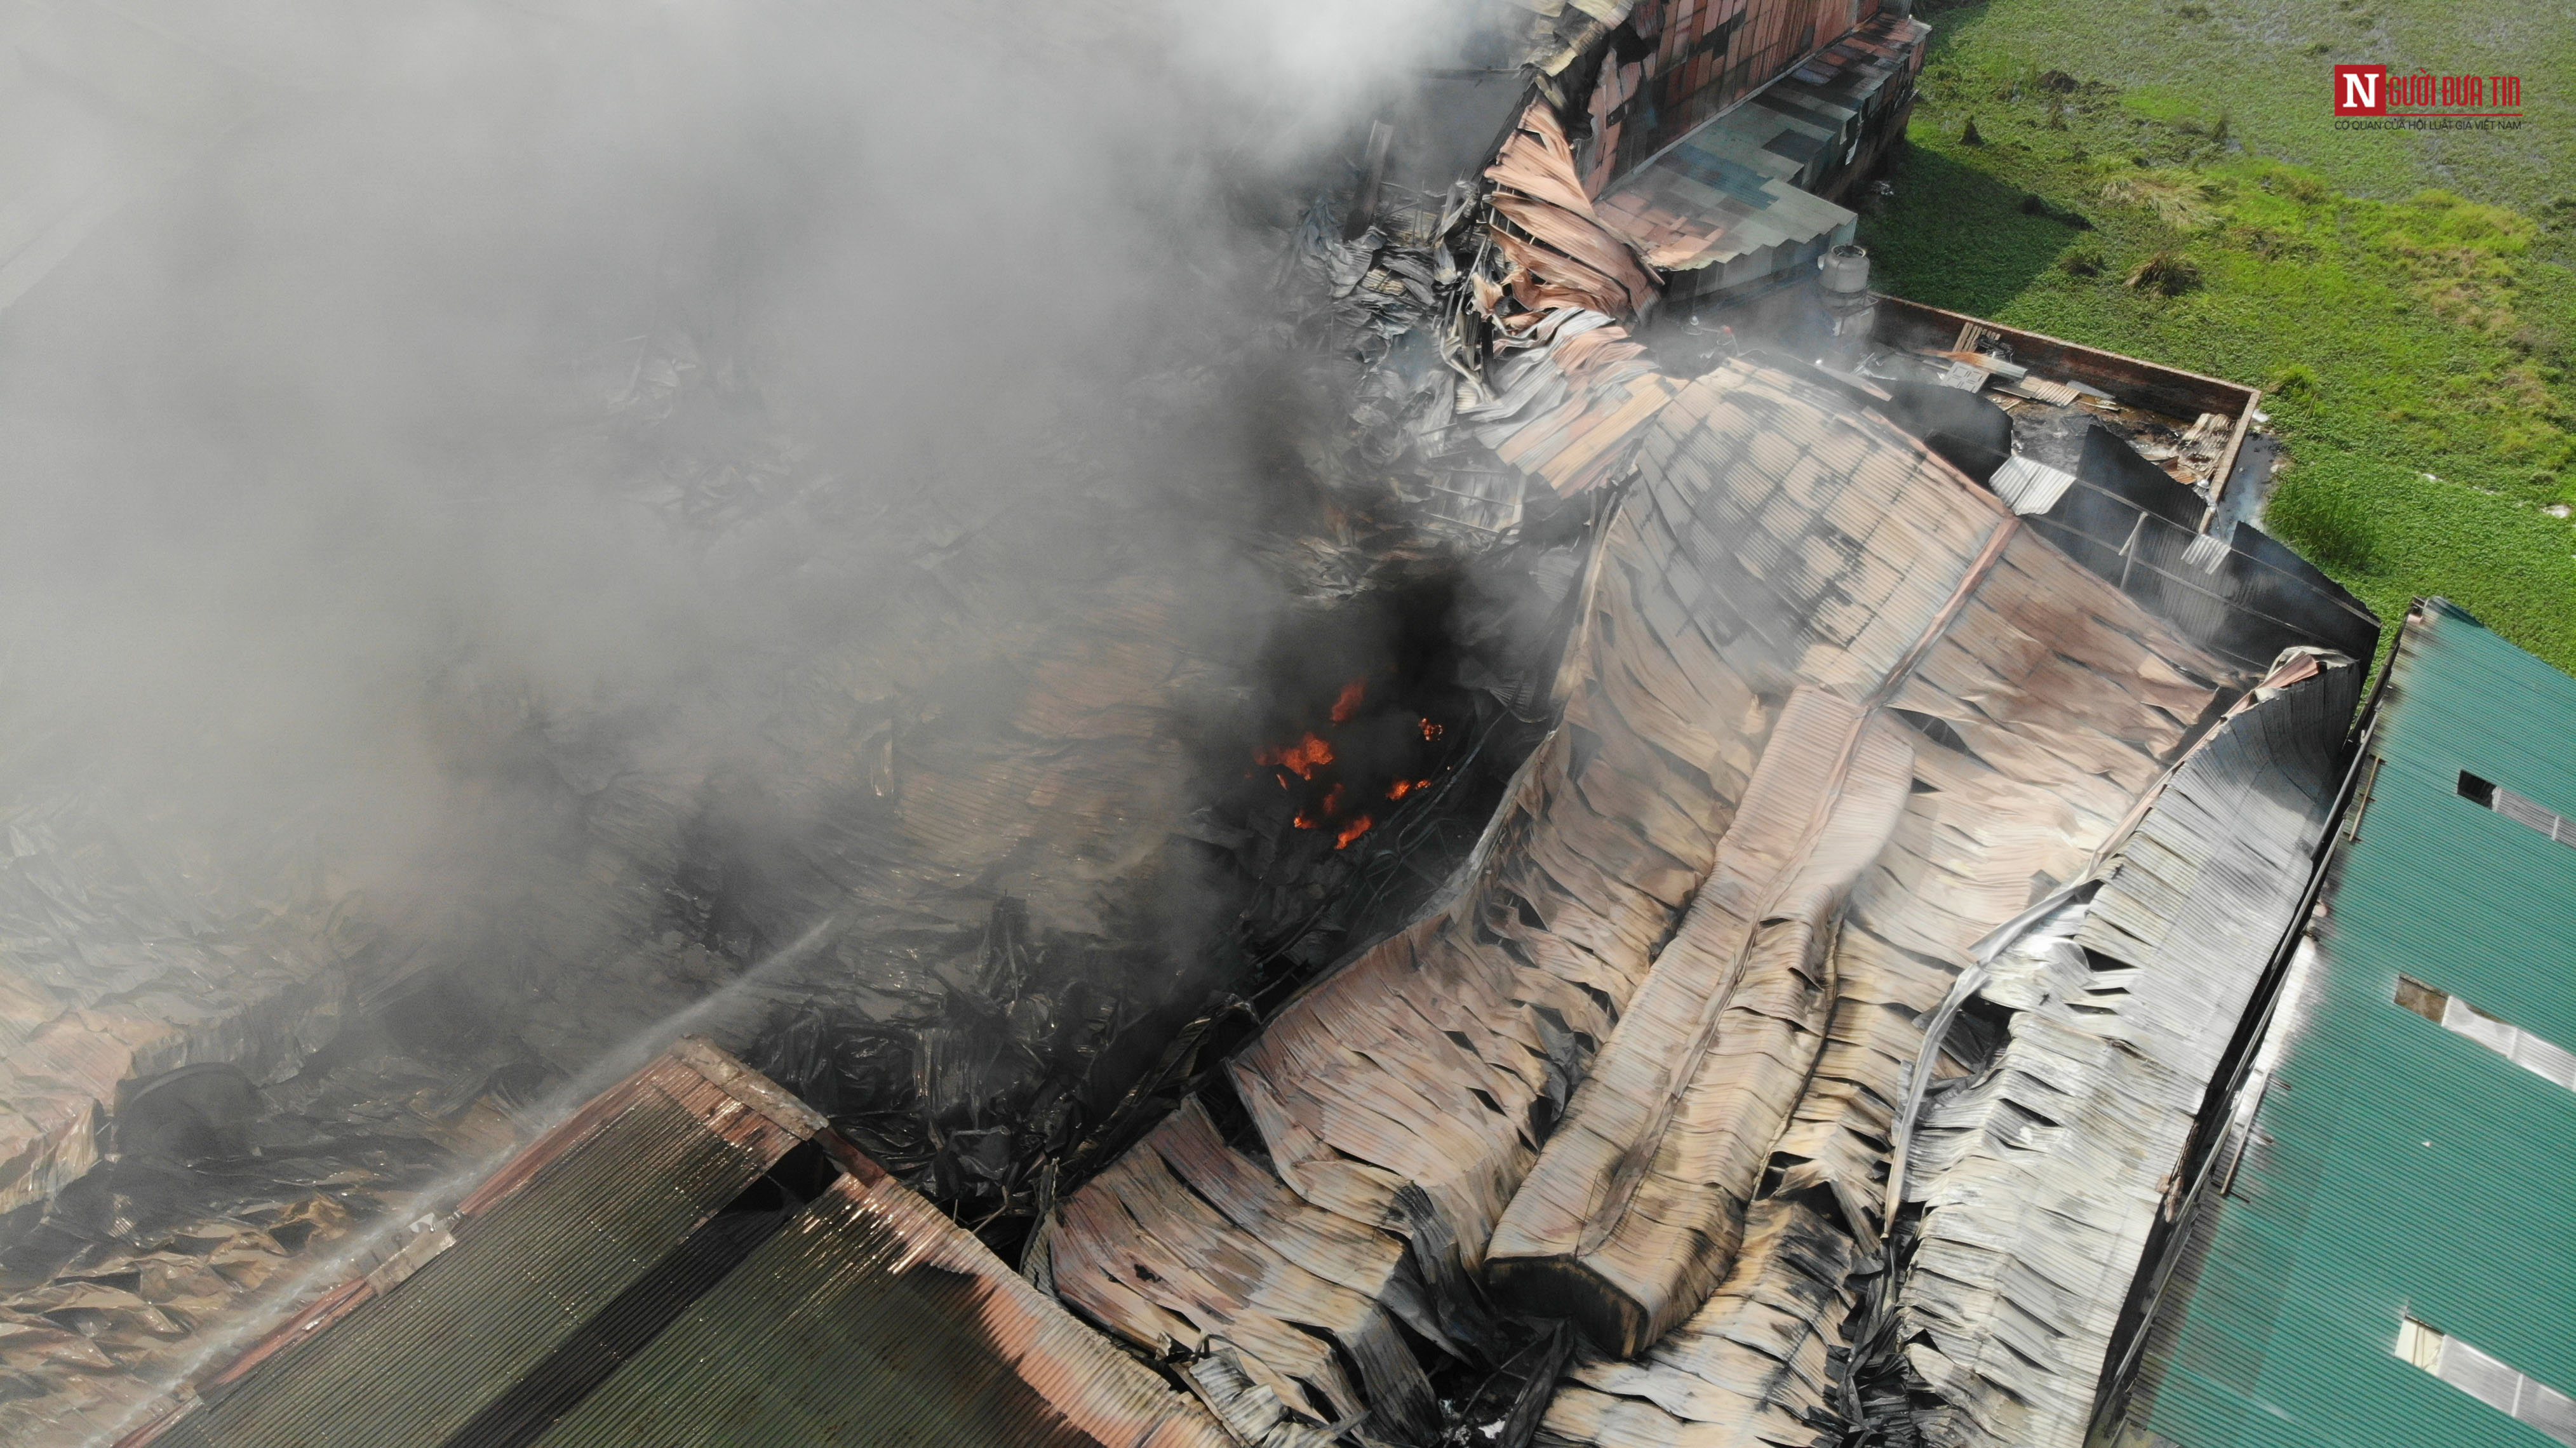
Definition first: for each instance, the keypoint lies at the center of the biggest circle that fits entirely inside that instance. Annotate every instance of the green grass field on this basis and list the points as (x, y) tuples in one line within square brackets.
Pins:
[(2406, 299)]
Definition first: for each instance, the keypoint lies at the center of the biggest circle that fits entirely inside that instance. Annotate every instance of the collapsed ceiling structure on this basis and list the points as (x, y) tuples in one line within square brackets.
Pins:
[(1736, 958), (1821, 1020), (1838, 732)]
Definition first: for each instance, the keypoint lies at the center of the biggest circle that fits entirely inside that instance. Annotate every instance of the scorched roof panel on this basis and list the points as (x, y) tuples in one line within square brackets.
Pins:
[(874, 1320)]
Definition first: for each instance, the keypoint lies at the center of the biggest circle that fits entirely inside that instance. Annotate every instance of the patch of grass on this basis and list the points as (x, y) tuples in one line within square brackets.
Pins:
[(2503, 559), (2267, 63), (2167, 274), (2329, 523), (2161, 104), (2424, 332), (2296, 380), (2180, 200)]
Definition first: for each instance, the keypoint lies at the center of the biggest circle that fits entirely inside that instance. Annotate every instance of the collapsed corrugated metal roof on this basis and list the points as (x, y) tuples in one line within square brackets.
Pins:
[(2040, 1173), (692, 1252), (1831, 715), (1782, 580)]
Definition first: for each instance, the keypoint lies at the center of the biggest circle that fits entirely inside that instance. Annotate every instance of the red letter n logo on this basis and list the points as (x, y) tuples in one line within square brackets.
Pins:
[(2360, 90)]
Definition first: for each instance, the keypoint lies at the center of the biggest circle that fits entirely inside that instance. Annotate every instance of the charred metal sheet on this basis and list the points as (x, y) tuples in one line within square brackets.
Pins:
[(1636, 1204), (2040, 1174), (1570, 393), (1560, 252), (2066, 748), (1750, 1367), (1290, 1263)]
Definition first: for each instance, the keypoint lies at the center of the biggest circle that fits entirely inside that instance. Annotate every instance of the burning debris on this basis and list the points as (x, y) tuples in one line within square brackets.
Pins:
[(1377, 763)]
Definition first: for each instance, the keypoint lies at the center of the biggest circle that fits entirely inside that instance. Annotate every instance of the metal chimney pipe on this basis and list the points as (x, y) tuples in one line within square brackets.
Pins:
[(1846, 270)]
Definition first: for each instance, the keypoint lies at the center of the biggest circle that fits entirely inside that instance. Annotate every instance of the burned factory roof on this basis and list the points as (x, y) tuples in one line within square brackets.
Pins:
[(1888, 810), (1831, 714), (1751, 949), (692, 1252)]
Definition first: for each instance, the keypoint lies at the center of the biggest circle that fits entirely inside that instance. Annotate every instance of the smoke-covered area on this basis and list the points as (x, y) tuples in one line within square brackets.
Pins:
[(580, 375), (552, 506)]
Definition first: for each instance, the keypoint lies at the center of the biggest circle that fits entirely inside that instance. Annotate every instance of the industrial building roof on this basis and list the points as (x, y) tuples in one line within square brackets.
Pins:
[(692, 1253), (2388, 1260), (1815, 665), (1742, 183)]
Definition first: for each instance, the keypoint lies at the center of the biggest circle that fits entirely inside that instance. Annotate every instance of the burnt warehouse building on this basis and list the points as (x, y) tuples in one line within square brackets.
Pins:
[(1845, 895)]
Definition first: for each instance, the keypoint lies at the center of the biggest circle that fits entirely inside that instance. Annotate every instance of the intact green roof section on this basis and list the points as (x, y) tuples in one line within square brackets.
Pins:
[(873, 1322), (411, 1367), (2398, 1168)]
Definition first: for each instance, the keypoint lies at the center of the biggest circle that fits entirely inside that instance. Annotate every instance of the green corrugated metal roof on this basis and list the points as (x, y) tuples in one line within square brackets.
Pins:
[(2400, 1168), (635, 1277), (824, 1339), (408, 1369)]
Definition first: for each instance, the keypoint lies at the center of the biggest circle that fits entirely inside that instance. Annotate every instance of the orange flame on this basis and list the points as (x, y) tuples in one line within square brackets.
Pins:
[(1347, 707), (1310, 759), (1301, 759)]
